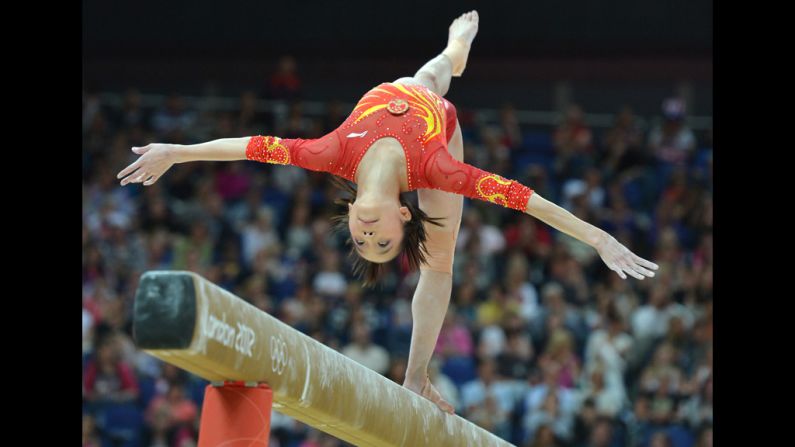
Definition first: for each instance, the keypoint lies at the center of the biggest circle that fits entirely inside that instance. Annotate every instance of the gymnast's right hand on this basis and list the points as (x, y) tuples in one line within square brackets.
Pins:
[(155, 159), (426, 389)]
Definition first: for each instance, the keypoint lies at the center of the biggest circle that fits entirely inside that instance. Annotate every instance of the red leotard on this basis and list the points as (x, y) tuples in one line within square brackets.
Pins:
[(422, 121)]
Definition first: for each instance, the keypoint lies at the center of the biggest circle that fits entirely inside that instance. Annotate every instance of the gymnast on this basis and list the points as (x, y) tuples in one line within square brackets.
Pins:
[(402, 136)]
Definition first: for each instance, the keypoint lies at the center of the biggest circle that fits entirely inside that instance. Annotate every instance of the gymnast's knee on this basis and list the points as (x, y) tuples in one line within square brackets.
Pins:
[(425, 78), (407, 80)]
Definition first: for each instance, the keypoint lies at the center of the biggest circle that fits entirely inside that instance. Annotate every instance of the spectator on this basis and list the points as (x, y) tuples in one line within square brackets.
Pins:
[(298, 237), (609, 347), (330, 282), (640, 423), (623, 145), (487, 401), (107, 378), (90, 436), (544, 437), (465, 299), (672, 142), (573, 141), (549, 414), (607, 393), (705, 437), (232, 182), (567, 398), (196, 251), (554, 313), (474, 393), (697, 411), (515, 361), (660, 439), (602, 434), (172, 122), (560, 351), (296, 123), (455, 339), (259, 235), (661, 371), (584, 422), (519, 290), (650, 320), (529, 238), (509, 125), (491, 311), (365, 352), (132, 113), (172, 413), (285, 83), (490, 238), (250, 120)]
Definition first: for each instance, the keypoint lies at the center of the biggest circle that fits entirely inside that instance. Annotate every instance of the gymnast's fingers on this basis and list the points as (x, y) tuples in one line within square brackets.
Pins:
[(629, 270), (132, 167), (131, 176), (618, 271), (140, 177), (645, 263), (142, 150), (641, 270), (151, 180)]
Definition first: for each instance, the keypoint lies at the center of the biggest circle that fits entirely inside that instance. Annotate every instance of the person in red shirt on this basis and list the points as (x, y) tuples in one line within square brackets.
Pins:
[(171, 411), (107, 377)]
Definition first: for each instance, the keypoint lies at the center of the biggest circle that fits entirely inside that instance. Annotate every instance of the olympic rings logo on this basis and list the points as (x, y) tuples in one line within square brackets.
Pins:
[(279, 355)]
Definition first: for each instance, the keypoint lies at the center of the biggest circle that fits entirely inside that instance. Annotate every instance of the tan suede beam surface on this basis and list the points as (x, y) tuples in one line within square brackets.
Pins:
[(186, 320)]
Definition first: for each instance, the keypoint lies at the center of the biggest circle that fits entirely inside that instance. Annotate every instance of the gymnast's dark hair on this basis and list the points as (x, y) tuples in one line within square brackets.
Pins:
[(414, 235)]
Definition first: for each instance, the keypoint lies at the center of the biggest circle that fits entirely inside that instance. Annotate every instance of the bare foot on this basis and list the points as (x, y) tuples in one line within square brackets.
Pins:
[(462, 32), (426, 389)]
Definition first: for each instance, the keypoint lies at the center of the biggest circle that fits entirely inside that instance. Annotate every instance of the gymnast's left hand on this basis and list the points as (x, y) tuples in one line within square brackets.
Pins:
[(155, 159), (619, 259)]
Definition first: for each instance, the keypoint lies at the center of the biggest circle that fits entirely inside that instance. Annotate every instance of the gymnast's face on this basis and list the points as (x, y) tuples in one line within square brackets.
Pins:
[(377, 229)]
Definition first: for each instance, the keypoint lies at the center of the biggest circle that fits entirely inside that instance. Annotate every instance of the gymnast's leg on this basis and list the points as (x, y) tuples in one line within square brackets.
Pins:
[(436, 73)]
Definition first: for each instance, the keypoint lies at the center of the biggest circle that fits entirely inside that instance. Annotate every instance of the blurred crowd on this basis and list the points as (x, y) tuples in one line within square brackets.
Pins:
[(541, 345)]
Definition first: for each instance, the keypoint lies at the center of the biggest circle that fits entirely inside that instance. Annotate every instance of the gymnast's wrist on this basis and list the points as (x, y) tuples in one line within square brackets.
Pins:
[(178, 153), (415, 376), (598, 239)]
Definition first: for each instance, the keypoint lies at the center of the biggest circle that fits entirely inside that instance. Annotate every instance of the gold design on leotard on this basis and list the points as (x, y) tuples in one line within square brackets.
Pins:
[(369, 111), (271, 150), (487, 190), (421, 101)]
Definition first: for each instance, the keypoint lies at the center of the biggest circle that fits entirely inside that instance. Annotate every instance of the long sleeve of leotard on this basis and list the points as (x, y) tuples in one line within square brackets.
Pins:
[(445, 173), (320, 154)]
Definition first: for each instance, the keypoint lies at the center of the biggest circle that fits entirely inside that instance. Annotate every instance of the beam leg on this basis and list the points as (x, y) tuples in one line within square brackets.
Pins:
[(236, 414)]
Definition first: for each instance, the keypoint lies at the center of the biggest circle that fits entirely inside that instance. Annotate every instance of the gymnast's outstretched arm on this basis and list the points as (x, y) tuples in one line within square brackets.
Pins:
[(453, 175), (156, 158), (615, 255)]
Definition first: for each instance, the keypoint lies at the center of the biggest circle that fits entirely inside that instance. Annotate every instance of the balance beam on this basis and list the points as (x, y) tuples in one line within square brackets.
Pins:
[(184, 319)]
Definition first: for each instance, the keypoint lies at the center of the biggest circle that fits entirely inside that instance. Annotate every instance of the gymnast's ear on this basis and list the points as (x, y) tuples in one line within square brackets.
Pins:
[(350, 207), (405, 214)]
